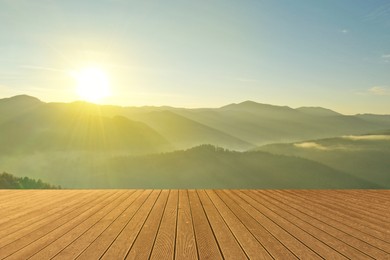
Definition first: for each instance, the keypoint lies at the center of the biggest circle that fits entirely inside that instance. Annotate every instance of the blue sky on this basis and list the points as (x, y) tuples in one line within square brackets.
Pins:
[(330, 53)]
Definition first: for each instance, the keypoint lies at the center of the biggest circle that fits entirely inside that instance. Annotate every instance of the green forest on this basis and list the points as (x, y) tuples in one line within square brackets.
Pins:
[(8, 181)]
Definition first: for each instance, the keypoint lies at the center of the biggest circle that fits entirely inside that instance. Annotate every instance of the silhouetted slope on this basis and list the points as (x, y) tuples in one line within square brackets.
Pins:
[(210, 167), (253, 123), (318, 111), (375, 119), (261, 124), (14, 106), (363, 156), (200, 167), (184, 133), (75, 127), (19, 102)]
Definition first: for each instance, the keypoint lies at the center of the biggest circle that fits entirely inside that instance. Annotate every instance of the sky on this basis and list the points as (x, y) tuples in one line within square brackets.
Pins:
[(203, 53)]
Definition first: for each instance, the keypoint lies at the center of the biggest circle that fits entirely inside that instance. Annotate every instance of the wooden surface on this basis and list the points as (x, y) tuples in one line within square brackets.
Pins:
[(194, 224)]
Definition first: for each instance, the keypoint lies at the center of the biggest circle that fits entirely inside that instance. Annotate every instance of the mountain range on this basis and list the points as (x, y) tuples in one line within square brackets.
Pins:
[(86, 145), (84, 126)]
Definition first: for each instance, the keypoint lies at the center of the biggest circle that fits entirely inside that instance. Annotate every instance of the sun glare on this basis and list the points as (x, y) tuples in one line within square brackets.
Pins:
[(92, 84)]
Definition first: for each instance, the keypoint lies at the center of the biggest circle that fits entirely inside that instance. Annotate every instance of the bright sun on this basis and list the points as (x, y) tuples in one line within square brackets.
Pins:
[(92, 84)]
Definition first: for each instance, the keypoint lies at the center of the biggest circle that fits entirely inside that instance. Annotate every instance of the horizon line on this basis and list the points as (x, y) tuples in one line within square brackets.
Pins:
[(180, 107)]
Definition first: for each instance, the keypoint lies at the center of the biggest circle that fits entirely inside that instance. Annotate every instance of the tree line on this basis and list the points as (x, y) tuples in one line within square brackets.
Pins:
[(8, 181)]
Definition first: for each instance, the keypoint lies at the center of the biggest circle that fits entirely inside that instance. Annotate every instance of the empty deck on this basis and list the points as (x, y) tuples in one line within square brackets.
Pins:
[(194, 224)]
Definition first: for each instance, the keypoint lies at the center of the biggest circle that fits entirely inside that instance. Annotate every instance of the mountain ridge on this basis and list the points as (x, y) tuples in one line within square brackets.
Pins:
[(235, 126), (320, 111)]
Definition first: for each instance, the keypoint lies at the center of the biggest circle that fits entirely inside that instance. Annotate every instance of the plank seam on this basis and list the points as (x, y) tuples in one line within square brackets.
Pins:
[(111, 222), (238, 242), (105, 251), (139, 231)]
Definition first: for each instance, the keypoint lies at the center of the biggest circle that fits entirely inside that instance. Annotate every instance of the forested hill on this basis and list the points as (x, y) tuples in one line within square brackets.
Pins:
[(207, 166), (8, 181)]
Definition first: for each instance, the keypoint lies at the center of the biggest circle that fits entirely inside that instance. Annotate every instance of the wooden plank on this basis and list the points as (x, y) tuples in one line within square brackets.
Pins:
[(10, 197), (164, 246), (349, 235), (362, 228), (360, 204), (81, 243), (16, 194), (228, 244), (97, 248), (308, 239), (366, 203), (185, 236), (59, 244), (205, 240), (16, 197), (8, 192), (9, 208), (123, 242), (326, 226), (19, 229), (252, 247), (142, 246), (273, 246), (52, 231), (305, 224), (379, 227), (378, 197), (382, 195), (42, 212), (212, 224), (27, 204), (344, 206), (30, 243), (270, 224)]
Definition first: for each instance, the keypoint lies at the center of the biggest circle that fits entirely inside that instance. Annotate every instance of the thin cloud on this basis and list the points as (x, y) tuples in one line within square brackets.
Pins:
[(367, 137), (379, 13), (312, 145), (320, 147), (41, 68), (345, 31), (386, 58), (143, 69), (379, 91)]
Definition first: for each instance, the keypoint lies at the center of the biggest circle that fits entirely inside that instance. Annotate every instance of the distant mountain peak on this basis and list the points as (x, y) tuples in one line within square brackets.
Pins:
[(252, 105), (249, 102), (20, 102), (22, 98)]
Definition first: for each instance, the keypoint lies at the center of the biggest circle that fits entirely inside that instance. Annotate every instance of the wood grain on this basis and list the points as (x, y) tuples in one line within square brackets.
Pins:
[(194, 224)]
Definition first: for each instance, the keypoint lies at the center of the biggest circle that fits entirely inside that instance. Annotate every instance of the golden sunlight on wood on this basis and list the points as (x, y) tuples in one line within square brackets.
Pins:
[(194, 224), (92, 84)]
